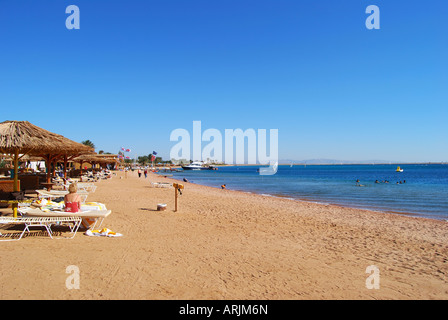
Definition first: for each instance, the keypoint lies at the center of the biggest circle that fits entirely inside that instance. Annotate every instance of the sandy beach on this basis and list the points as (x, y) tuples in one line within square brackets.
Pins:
[(225, 244)]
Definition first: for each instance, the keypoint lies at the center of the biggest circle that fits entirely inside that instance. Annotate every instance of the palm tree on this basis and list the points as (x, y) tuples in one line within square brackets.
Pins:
[(88, 143)]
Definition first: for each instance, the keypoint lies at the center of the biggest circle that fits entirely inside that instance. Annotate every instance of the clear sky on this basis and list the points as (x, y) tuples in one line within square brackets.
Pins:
[(136, 70)]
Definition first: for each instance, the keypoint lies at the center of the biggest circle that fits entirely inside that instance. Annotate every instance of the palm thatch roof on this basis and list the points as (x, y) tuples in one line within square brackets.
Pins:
[(98, 158), (24, 158), (27, 138), (22, 137), (87, 158)]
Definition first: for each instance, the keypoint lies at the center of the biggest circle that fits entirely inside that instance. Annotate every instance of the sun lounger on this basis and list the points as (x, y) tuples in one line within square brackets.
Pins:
[(47, 222), (53, 194), (90, 217), (86, 187), (160, 184)]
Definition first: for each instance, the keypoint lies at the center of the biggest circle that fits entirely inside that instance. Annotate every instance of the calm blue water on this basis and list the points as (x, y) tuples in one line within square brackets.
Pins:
[(425, 192)]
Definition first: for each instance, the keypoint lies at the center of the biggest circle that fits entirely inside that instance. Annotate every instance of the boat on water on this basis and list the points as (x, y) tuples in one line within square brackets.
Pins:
[(197, 165), (399, 169)]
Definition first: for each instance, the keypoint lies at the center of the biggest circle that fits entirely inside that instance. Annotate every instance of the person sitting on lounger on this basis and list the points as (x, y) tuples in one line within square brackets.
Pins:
[(73, 204), (72, 199)]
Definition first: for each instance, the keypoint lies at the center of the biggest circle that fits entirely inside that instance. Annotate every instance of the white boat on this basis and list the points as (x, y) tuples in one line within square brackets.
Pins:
[(197, 165), (399, 169)]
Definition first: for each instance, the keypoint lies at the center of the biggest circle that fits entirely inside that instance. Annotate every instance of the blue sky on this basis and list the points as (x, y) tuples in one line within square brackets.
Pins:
[(136, 70)]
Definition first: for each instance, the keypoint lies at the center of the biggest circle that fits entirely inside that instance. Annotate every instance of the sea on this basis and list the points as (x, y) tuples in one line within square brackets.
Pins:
[(419, 190)]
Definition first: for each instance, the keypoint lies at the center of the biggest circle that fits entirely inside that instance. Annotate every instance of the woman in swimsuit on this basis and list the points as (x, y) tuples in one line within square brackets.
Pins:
[(72, 200)]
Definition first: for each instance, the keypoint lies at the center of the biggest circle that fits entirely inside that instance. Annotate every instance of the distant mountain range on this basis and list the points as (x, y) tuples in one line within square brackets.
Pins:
[(333, 161)]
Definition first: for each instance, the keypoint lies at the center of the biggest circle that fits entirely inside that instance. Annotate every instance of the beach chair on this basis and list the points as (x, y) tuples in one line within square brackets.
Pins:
[(92, 218), (86, 187), (72, 222), (160, 184), (53, 194)]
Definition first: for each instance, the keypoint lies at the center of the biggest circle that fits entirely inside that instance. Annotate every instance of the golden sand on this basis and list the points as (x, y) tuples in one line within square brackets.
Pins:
[(224, 244)]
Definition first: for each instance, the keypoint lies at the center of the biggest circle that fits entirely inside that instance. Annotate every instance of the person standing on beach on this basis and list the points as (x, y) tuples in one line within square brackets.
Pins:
[(146, 173), (139, 172)]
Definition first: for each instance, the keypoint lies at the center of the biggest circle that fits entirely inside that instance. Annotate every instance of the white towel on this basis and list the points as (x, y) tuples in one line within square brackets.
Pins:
[(102, 233)]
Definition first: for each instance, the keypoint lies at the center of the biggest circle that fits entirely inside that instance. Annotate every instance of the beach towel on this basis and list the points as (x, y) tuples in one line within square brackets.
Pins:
[(93, 206), (102, 233)]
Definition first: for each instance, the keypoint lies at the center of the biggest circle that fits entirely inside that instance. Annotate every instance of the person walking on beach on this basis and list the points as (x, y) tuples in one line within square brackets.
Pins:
[(139, 172), (146, 173)]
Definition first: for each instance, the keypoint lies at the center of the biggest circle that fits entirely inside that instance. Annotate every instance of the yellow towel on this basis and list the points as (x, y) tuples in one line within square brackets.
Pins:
[(103, 232)]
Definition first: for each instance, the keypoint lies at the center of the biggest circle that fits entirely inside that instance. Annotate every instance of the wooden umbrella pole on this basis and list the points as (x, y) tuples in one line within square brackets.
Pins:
[(53, 171), (65, 166), (16, 170), (16, 180), (48, 161), (48, 165)]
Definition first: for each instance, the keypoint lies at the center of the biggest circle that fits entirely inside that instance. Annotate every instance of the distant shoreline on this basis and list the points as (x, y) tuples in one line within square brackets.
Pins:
[(313, 164), (330, 164)]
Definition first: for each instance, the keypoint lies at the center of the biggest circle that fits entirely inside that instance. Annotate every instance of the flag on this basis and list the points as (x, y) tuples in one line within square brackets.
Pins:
[(153, 157), (128, 157), (123, 149), (154, 153), (128, 150)]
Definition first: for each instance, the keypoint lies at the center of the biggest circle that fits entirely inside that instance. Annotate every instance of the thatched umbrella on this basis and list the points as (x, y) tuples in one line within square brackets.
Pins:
[(88, 158), (21, 137), (107, 159)]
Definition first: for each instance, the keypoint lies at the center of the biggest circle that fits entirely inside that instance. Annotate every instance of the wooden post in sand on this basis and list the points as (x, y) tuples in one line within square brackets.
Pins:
[(176, 188), (175, 198)]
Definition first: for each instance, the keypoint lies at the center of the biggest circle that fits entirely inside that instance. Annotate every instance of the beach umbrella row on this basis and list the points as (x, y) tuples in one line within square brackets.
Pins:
[(19, 138), (85, 158)]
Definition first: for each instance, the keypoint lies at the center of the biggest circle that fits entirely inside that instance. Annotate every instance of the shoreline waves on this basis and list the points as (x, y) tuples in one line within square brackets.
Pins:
[(423, 192), (320, 202)]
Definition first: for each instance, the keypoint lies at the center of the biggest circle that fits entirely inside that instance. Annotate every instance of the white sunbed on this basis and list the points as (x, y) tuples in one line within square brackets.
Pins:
[(46, 222), (53, 194), (160, 184), (96, 215), (86, 187)]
